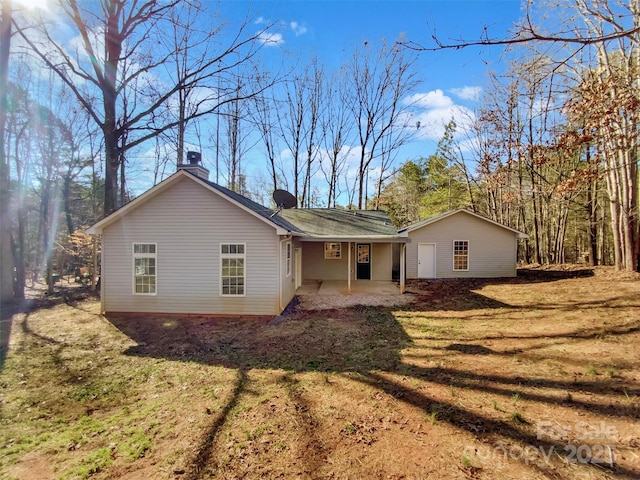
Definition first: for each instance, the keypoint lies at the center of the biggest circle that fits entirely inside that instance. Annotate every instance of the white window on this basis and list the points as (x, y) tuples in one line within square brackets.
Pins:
[(232, 269), (332, 251), (145, 268), (288, 257), (461, 255)]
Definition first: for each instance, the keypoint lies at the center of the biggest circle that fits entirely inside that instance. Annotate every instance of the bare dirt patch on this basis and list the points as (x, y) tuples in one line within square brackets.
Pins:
[(331, 302), (532, 377)]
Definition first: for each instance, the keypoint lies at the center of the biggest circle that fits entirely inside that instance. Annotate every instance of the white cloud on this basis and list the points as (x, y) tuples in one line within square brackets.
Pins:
[(433, 99), (33, 5), (433, 122), (467, 93), (297, 28), (271, 39), (260, 21), (433, 111)]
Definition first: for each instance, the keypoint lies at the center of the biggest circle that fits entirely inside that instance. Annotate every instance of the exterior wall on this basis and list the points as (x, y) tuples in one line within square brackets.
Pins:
[(188, 223), (492, 249), (316, 267), (381, 261)]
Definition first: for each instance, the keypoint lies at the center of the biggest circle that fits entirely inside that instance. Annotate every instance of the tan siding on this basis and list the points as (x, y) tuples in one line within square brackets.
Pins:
[(381, 261), (188, 223), (315, 267), (492, 249)]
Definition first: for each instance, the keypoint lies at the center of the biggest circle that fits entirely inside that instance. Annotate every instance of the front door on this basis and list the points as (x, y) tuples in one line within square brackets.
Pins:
[(363, 261), (426, 260)]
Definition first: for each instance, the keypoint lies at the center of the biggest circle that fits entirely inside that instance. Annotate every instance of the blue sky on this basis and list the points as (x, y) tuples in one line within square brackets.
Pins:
[(333, 29)]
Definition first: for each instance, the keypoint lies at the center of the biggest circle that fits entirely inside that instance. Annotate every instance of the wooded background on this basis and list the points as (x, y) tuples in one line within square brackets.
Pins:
[(552, 149)]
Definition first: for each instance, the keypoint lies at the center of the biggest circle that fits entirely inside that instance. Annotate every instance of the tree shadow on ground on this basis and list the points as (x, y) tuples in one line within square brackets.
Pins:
[(205, 448), (551, 273), (358, 339), (367, 341), (7, 311), (363, 340), (38, 300), (459, 295)]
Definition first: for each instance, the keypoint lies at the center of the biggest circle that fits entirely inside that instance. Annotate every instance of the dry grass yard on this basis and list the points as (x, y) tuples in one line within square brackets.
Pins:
[(534, 377)]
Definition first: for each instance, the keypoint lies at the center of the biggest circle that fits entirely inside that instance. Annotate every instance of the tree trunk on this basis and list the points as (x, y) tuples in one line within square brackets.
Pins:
[(123, 179), (592, 231), (361, 178), (536, 226), (66, 193), (112, 162), (6, 256), (19, 252), (113, 47), (612, 188)]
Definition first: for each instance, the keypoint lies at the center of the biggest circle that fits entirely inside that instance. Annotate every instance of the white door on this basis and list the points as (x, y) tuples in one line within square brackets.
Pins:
[(298, 267), (426, 260)]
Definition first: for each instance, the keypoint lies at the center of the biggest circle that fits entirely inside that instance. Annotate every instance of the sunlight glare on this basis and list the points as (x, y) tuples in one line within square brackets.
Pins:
[(33, 4)]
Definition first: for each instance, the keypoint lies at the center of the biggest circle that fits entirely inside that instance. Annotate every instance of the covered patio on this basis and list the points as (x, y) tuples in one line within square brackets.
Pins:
[(332, 294), (346, 252)]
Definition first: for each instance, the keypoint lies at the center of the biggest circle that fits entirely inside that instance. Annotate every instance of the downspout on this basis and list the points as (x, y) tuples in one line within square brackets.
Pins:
[(349, 268), (95, 260), (280, 276), (403, 250)]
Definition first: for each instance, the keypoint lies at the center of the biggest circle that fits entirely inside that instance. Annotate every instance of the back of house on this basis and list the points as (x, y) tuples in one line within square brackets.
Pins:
[(190, 246)]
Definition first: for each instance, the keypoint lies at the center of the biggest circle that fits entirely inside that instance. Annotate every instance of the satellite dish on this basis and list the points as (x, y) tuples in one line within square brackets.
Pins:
[(284, 199)]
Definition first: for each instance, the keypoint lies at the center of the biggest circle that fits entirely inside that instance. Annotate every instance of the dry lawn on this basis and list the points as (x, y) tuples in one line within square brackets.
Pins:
[(535, 377)]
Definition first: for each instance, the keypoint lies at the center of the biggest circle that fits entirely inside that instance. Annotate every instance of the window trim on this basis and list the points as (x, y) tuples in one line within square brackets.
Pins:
[(135, 256), (242, 256), (460, 255), (288, 253), (328, 250)]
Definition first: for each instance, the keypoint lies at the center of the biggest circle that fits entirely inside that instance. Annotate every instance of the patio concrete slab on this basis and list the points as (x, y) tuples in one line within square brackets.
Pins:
[(340, 287)]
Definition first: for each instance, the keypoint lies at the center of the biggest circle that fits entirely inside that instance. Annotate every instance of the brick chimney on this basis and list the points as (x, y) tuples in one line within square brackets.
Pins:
[(195, 165)]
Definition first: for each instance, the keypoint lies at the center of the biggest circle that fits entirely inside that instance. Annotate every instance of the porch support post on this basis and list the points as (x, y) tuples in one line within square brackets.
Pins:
[(403, 252), (349, 267)]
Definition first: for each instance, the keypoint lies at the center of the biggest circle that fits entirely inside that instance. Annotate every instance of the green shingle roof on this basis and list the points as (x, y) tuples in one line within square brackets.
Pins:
[(336, 223)]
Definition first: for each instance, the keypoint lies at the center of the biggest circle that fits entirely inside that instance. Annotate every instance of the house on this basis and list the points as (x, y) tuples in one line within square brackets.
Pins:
[(190, 246), (461, 244)]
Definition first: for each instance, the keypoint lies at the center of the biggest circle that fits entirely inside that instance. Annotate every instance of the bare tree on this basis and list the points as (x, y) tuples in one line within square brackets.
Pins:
[(313, 137), (299, 124), (336, 133), (238, 138), (131, 34), (264, 117), (527, 31), (379, 80)]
